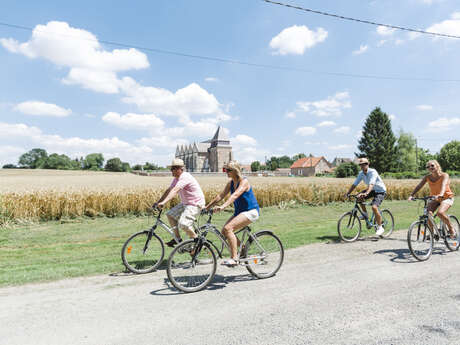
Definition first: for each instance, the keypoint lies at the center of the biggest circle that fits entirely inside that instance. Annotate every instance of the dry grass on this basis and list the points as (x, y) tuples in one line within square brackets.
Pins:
[(38, 195)]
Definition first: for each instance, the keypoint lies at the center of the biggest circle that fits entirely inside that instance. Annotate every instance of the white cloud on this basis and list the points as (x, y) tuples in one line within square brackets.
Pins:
[(340, 147), (326, 124), (392, 117), (190, 100), (143, 122), (443, 124), (211, 79), (316, 143), (10, 154), (296, 39), (385, 31), (243, 140), (90, 66), (362, 49), (359, 134), (42, 108), (342, 130), (290, 115), (448, 27), (332, 106), (381, 43), (424, 107), (304, 131)]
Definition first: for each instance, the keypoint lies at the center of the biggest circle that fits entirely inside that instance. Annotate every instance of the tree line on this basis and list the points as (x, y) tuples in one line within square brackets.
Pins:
[(38, 158), (389, 154)]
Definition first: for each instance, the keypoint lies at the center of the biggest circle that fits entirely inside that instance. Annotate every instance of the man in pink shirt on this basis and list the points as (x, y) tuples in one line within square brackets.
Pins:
[(192, 200)]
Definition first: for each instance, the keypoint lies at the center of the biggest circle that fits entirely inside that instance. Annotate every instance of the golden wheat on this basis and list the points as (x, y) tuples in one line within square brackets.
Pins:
[(56, 204)]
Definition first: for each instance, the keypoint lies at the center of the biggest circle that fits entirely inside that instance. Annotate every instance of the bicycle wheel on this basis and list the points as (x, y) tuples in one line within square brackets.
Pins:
[(264, 253), (420, 240), (349, 227), (191, 275), (140, 255), (452, 244), (388, 223)]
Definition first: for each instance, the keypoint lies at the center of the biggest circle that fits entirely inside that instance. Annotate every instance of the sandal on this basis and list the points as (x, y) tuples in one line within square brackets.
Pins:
[(229, 262), (172, 243)]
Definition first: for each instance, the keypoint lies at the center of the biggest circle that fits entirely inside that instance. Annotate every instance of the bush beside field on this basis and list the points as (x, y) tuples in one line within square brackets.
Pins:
[(45, 205)]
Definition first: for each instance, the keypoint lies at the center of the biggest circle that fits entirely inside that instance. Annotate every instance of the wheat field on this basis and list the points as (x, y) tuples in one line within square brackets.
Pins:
[(42, 195)]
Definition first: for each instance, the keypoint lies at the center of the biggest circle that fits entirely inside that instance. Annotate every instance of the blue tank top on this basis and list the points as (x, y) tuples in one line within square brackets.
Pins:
[(245, 202)]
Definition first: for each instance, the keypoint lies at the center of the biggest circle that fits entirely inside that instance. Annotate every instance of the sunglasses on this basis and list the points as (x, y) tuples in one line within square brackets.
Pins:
[(363, 164), (430, 166), (228, 170), (174, 168)]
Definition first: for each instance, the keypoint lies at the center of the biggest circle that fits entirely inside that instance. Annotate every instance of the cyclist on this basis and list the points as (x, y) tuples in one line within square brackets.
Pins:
[(246, 208), (192, 200), (376, 189), (439, 188)]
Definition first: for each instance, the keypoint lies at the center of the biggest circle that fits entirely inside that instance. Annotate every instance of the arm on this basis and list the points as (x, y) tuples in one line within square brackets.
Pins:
[(243, 187), (417, 188), (219, 197), (353, 186), (172, 192), (163, 196)]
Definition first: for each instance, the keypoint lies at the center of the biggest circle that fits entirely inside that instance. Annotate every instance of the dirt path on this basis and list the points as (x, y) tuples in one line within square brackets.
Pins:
[(368, 292)]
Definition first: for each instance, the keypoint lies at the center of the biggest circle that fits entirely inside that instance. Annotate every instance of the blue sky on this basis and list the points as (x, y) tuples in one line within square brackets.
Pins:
[(63, 90)]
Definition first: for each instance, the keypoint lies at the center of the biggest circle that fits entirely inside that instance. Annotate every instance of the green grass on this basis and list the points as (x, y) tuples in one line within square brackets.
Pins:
[(57, 250)]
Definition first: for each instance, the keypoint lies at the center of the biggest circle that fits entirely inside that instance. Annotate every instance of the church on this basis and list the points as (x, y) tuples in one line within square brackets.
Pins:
[(206, 156)]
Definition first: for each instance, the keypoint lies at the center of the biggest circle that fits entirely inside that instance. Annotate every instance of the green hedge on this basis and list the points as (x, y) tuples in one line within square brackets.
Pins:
[(411, 174)]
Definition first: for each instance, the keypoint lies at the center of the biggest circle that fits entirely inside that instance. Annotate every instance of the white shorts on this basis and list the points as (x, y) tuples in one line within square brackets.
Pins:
[(449, 201), (184, 214), (252, 215)]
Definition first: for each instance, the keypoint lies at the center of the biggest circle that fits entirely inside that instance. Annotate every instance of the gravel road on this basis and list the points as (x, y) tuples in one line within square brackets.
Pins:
[(367, 292)]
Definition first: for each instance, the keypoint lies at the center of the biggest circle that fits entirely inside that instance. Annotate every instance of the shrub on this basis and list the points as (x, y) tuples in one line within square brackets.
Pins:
[(346, 170)]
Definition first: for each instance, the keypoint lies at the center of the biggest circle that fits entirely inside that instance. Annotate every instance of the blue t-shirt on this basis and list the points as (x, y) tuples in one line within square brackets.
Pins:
[(372, 177), (245, 202)]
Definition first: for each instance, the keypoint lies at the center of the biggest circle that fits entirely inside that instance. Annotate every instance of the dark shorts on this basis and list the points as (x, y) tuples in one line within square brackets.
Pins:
[(378, 197)]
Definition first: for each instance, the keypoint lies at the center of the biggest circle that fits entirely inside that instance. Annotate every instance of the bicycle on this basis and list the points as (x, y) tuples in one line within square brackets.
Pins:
[(349, 224), (420, 236), (193, 263), (144, 251)]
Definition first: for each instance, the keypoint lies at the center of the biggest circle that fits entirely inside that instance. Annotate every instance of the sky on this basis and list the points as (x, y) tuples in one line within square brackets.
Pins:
[(66, 89)]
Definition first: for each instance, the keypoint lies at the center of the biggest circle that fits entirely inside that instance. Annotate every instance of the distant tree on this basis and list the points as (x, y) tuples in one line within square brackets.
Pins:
[(346, 170), (9, 166), (125, 167), (114, 164), (56, 161), (406, 149), (423, 156), (298, 156), (255, 166), (93, 161), (377, 142), (279, 162), (449, 156), (34, 159), (137, 167), (151, 166)]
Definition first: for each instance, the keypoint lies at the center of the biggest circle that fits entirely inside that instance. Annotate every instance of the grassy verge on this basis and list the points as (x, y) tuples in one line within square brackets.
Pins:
[(53, 250)]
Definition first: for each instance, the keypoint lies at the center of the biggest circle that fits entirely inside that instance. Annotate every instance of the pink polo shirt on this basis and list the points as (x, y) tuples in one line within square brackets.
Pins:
[(190, 191)]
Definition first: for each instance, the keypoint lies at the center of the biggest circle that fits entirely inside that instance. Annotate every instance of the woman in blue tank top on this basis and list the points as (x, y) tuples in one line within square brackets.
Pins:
[(246, 208)]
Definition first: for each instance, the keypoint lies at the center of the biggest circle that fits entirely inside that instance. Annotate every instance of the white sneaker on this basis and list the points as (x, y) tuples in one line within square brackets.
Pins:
[(380, 230)]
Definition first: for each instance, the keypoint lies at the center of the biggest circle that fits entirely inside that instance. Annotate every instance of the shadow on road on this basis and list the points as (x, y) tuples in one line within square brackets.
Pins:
[(403, 255), (219, 282)]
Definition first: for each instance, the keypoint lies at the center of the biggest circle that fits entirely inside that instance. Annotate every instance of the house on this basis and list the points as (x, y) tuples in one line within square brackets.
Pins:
[(282, 172), (338, 160), (310, 166)]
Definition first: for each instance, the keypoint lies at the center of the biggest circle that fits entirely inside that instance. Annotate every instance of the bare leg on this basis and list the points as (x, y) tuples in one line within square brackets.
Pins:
[(363, 207), (443, 216), (173, 224), (234, 224), (378, 217)]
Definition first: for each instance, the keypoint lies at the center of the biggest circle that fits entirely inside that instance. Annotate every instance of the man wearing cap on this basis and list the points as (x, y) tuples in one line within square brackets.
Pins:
[(376, 189), (182, 215)]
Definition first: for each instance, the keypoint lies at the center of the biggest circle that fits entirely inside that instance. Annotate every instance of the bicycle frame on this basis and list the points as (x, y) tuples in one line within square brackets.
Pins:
[(166, 227), (427, 218), (247, 234), (369, 221)]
